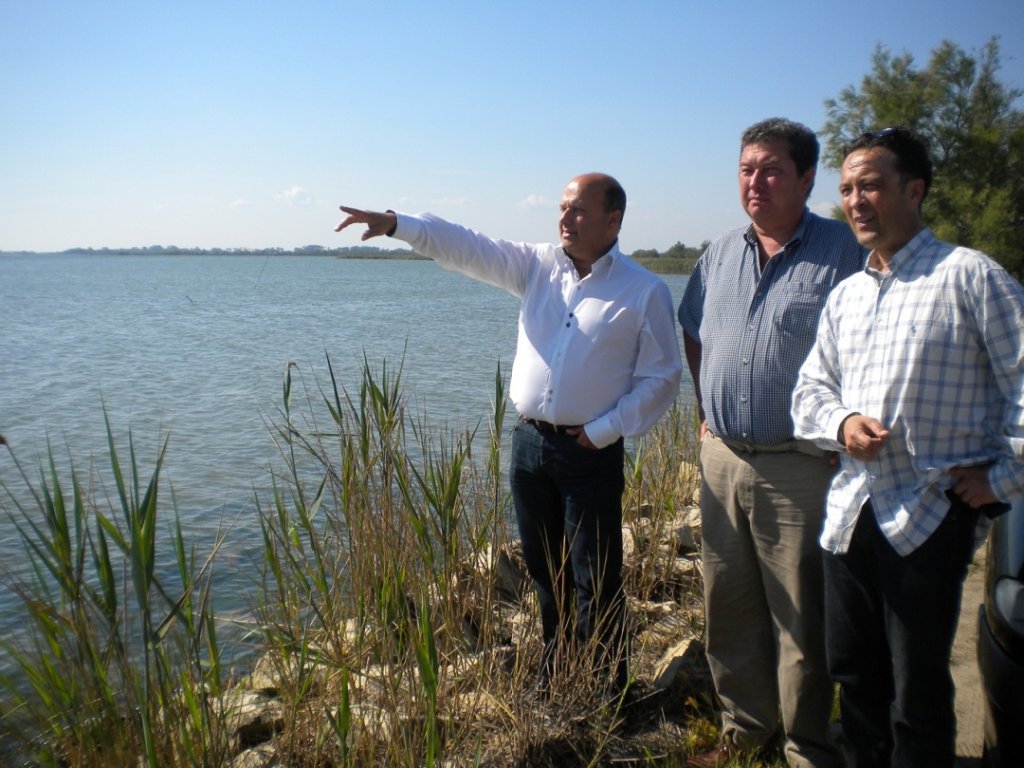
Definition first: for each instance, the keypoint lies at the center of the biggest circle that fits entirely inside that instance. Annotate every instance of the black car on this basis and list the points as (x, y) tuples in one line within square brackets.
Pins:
[(1001, 641)]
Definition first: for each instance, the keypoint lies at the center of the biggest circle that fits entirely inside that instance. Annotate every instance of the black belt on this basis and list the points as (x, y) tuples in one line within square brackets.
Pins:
[(547, 426)]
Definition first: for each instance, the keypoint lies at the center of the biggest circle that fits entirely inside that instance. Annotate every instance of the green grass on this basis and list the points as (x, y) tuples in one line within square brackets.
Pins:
[(385, 648)]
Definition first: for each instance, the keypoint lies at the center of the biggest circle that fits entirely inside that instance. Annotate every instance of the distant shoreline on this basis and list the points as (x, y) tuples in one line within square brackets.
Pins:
[(354, 252), (665, 265)]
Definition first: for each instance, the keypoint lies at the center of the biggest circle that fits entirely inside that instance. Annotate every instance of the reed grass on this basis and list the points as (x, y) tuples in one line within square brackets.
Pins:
[(113, 665), (387, 642)]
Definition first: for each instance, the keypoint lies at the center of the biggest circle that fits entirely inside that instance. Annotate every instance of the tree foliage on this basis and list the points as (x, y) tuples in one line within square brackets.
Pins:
[(679, 259), (976, 132)]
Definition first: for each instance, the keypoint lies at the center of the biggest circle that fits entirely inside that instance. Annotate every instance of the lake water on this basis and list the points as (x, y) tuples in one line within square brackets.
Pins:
[(194, 349)]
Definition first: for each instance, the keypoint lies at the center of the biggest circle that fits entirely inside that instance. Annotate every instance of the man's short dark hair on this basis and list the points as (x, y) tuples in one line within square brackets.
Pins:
[(913, 161), (803, 144), (614, 197)]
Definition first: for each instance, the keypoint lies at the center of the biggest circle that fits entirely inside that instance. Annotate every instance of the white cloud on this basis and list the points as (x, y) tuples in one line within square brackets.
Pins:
[(295, 196), (823, 208), (241, 202), (535, 201)]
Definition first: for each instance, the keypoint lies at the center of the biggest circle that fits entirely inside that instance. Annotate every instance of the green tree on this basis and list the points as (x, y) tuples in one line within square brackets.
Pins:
[(976, 132), (646, 253)]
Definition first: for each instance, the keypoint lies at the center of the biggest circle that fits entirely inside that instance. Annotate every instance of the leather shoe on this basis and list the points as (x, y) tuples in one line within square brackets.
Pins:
[(713, 758)]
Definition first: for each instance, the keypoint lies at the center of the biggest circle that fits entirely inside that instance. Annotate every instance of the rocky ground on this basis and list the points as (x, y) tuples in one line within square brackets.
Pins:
[(673, 684), (672, 688)]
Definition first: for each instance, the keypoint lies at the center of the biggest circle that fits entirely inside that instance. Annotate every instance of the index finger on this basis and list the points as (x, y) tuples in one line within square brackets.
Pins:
[(355, 216)]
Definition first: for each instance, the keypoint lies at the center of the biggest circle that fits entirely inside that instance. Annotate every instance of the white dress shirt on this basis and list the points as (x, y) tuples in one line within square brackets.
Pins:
[(599, 351)]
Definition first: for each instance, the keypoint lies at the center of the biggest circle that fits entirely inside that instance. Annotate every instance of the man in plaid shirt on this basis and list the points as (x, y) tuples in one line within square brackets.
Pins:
[(917, 377)]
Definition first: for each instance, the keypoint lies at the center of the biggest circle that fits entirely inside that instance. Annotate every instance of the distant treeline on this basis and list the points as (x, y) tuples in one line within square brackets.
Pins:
[(352, 252), (677, 260)]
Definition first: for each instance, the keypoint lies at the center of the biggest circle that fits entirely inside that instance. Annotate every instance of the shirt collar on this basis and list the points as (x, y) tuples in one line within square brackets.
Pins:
[(908, 254), (602, 265), (798, 234), (606, 262)]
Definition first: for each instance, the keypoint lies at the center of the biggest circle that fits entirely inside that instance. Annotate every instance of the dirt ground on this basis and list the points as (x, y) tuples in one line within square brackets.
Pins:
[(970, 712)]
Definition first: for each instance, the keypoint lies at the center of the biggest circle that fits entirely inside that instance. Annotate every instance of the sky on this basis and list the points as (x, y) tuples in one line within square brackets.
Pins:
[(224, 124)]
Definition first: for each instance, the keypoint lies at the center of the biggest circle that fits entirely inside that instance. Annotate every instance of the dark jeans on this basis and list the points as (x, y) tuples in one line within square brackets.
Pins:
[(568, 503), (889, 628)]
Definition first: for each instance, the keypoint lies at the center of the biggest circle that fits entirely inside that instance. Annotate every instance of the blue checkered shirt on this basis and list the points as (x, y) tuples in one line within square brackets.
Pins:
[(756, 327), (933, 349)]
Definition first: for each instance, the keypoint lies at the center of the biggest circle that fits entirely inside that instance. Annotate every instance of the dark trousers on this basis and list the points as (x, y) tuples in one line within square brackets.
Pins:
[(889, 628), (568, 503)]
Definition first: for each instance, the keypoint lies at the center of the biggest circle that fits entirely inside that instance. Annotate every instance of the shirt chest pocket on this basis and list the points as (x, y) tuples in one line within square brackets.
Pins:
[(797, 314), (938, 340)]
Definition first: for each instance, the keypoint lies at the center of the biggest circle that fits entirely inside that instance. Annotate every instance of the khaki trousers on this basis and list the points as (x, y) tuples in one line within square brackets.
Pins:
[(761, 516)]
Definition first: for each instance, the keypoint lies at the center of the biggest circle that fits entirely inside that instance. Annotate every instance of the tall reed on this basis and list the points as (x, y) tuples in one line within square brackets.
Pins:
[(116, 664), (363, 558), (379, 607), (365, 572)]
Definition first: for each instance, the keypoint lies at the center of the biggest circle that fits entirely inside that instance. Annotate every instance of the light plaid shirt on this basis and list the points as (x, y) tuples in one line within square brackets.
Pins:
[(933, 349)]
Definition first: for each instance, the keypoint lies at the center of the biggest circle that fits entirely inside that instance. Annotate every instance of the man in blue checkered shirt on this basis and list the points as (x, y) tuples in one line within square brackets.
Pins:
[(917, 377), (749, 314)]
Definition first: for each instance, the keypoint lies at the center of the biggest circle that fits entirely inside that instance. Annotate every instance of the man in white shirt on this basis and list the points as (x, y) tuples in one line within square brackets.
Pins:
[(597, 360)]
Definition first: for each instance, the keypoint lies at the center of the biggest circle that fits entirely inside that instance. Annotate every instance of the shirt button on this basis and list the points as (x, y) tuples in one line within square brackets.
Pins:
[(743, 398)]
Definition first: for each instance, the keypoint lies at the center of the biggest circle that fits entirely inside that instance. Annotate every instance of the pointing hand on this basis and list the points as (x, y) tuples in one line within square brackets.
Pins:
[(377, 224)]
